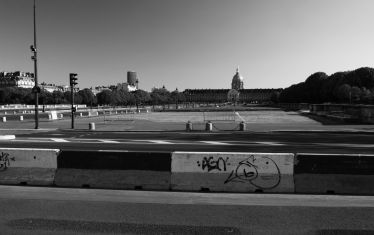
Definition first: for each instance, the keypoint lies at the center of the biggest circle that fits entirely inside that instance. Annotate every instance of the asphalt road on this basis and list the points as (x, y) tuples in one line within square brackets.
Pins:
[(278, 141), (34, 210)]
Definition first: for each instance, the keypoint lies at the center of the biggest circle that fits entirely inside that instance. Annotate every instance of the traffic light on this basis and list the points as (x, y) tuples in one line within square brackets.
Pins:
[(73, 79)]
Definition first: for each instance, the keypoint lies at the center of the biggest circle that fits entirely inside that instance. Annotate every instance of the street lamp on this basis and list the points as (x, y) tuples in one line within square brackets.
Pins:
[(36, 88)]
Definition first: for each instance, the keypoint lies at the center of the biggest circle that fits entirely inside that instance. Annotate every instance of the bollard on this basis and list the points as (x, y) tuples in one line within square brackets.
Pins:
[(188, 126), (242, 126), (91, 126), (21, 118), (4, 119), (209, 126), (81, 114)]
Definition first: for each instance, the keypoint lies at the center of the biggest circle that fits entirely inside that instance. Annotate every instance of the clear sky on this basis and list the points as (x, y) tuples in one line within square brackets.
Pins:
[(187, 43)]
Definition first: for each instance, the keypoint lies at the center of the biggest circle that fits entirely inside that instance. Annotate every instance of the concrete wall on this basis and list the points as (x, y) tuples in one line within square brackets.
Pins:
[(191, 171)]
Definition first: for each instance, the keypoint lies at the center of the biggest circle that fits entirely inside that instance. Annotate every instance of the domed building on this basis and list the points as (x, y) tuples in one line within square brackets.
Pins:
[(223, 95), (237, 81)]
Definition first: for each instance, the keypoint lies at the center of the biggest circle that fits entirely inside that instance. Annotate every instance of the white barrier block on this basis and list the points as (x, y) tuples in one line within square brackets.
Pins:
[(233, 172), (28, 166)]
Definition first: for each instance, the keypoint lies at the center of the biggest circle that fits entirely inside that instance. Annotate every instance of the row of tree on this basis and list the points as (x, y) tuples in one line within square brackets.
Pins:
[(116, 97), (342, 87)]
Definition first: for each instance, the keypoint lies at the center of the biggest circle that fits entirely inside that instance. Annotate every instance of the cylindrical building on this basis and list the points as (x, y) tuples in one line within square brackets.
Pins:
[(132, 78)]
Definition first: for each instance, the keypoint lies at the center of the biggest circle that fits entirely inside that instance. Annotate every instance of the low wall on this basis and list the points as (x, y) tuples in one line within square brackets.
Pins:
[(359, 113), (191, 171)]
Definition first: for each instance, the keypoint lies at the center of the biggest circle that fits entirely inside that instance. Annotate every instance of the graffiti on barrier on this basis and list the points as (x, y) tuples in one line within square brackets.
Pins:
[(209, 163), (261, 172), (5, 161)]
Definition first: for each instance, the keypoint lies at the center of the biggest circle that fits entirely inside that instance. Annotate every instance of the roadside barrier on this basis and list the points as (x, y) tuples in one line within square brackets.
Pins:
[(114, 170), (93, 113), (190, 171), (28, 166), (232, 172), (334, 173)]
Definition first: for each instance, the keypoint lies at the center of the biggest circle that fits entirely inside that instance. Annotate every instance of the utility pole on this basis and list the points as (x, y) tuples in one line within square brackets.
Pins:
[(36, 88), (73, 81)]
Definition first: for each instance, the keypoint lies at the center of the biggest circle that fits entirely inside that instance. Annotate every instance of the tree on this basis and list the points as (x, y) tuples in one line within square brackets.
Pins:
[(159, 96), (356, 94), (104, 97), (58, 97), (177, 97), (343, 93), (275, 97), (366, 96), (141, 97), (87, 97)]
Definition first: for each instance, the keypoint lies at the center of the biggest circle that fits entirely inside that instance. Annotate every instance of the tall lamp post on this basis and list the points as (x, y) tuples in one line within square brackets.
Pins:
[(36, 88)]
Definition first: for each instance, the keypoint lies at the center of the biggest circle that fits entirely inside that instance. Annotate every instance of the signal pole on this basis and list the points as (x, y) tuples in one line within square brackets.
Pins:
[(36, 88), (73, 81)]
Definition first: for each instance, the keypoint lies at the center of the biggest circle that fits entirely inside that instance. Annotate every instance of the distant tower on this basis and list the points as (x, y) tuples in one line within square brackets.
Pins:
[(132, 78), (237, 81)]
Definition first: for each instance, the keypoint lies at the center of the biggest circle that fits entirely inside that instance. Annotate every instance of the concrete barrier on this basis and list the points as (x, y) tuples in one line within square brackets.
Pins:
[(334, 173), (114, 170), (232, 172), (28, 166), (93, 113)]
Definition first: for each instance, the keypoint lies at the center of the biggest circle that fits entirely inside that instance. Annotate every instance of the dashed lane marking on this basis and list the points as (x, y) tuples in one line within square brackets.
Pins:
[(270, 143), (59, 140), (159, 141), (109, 141), (215, 143)]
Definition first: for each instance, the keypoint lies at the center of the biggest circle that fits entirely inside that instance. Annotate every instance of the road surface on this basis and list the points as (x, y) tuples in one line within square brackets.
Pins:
[(281, 141), (34, 210)]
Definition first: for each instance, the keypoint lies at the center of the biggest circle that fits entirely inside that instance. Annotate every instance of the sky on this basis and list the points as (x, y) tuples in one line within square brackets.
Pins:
[(187, 44)]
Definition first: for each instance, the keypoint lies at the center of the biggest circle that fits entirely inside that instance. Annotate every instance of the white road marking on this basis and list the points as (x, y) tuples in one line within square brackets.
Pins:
[(59, 140), (215, 143), (159, 142), (109, 141), (270, 143)]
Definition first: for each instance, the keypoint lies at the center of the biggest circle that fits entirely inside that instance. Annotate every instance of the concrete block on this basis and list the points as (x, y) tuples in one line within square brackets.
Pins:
[(334, 184), (113, 179), (114, 169), (334, 173), (28, 166), (232, 172)]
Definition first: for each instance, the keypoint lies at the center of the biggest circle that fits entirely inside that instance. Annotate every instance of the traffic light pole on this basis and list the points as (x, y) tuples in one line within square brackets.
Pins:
[(73, 81), (72, 107), (36, 76)]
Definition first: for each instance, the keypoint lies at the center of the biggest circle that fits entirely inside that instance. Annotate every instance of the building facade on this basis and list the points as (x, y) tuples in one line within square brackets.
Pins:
[(222, 95), (17, 79)]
